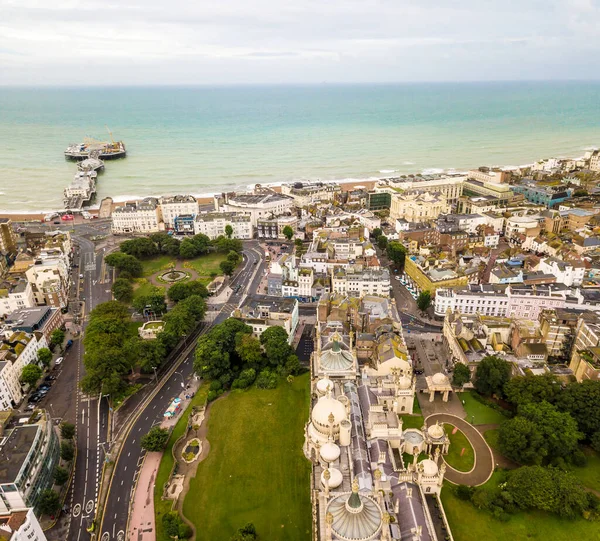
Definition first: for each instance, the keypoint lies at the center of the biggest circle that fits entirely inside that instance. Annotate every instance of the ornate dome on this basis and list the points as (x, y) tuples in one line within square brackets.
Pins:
[(323, 385), (439, 379), (436, 431), (404, 382), (335, 478), (330, 452), (335, 358), (326, 406), (354, 517), (429, 467)]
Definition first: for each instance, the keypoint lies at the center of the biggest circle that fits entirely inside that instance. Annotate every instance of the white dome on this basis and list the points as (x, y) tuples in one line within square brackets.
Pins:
[(330, 452), (404, 382), (429, 467), (335, 478), (323, 385), (436, 431), (326, 406), (439, 379)]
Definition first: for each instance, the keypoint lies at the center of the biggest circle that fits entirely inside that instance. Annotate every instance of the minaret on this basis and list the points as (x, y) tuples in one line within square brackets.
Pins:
[(442, 472), (331, 420), (326, 477), (436, 454), (329, 529), (385, 529), (415, 456), (354, 503), (377, 475)]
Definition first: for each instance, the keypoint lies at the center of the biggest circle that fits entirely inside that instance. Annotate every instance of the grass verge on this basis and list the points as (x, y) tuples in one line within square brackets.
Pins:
[(460, 453), (478, 413)]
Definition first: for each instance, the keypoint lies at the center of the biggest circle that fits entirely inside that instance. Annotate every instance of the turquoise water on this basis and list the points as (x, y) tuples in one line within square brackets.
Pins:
[(203, 140)]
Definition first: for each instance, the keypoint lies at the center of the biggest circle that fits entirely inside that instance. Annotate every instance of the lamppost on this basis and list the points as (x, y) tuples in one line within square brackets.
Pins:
[(182, 379), (155, 375)]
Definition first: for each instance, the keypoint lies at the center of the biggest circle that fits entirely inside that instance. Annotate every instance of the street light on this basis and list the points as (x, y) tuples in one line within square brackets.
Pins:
[(155, 375), (182, 379)]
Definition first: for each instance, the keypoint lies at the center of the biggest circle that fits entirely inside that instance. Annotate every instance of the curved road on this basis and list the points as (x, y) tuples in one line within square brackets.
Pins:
[(129, 460), (484, 460)]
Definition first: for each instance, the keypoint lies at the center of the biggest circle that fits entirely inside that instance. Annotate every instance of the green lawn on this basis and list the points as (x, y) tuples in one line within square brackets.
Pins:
[(491, 436), (206, 264), (408, 458), (589, 475), (162, 262), (412, 421), (458, 442), (470, 524), (143, 287), (478, 413), (416, 406), (132, 328), (255, 471), (166, 464)]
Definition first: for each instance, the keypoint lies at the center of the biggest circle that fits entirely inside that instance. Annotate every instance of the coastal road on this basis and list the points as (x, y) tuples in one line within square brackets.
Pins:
[(129, 460)]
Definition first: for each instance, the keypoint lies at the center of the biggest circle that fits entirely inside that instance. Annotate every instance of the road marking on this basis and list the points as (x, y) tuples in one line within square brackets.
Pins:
[(120, 535), (89, 506), (105, 536), (76, 510)]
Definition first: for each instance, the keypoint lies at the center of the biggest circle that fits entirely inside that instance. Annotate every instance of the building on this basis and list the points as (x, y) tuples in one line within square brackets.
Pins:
[(526, 225), (486, 175), (183, 224), (8, 236), (261, 312), (379, 200), (258, 206), (137, 217), (558, 330), (595, 161), (213, 225), (43, 319), (357, 283), (272, 228), (29, 454), (174, 206), (585, 357), (50, 281), (306, 193), (542, 195), (430, 277), (15, 295), (20, 526), (570, 274), (367, 480), (416, 206), (449, 186)]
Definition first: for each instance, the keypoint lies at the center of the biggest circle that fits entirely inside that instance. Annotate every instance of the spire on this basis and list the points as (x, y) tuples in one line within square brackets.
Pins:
[(354, 502), (336, 346)]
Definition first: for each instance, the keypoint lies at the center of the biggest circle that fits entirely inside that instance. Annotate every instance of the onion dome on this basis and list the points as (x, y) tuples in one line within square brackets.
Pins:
[(330, 452), (325, 407), (429, 467), (323, 385), (335, 477), (436, 431)]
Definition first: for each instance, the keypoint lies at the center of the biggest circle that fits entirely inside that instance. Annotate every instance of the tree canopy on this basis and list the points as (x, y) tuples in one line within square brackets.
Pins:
[(49, 502), (288, 232), (125, 263), (424, 301), (491, 375), (30, 374), (122, 290), (57, 337), (530, 388), (182, 290), (44, 356), (396, 252), (152, 302), (141, 248), (155, 440), (461, 375), (581, 401), (228, 231)]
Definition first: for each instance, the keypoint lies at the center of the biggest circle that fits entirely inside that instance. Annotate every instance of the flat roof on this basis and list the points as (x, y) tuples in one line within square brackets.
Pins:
[(15, 450)]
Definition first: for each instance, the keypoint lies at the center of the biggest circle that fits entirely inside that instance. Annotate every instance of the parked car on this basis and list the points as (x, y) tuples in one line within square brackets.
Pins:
[(50, 378), (58, 361), (81, 276), (34, 398), (30, 407), (44, 387)]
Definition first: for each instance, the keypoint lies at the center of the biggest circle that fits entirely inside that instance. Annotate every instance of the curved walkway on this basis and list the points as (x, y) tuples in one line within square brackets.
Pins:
[(153, 278), (484, 459)]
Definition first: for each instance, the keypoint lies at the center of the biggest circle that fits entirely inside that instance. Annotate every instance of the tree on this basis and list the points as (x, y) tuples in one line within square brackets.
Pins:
[(461, 374), (250, 351), (491, 375), (30, 374), (141, 248), (288, 232), (521, 441), (581, 401), (247, 533), (424, 301), (228, 231), (155, 440), (175, 527), (530, 388), (61, 475), (376, 233), (187, 249), (396, 252), (67, 431), (595, 441), (122, 290), (125, 263), (227, 267), (223, 244), (49, 502), (153, 302), (277, 349), (182, 290), (44, 356), (67, 451), (382, 242), (57, 338)]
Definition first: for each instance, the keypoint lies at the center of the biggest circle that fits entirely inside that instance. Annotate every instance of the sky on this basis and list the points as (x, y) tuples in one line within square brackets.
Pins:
[(162, 42)]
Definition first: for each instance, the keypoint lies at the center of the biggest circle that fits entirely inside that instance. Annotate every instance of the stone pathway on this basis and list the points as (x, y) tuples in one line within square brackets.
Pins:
[(484, 459)]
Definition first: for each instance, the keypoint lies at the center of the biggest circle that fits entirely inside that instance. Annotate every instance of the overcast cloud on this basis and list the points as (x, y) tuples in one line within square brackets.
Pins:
[(76, 42)]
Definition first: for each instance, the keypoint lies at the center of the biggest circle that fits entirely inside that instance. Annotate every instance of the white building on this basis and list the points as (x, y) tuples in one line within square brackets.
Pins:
[(520, 224), (306, 193), (360, 282), (261, 312), (137, 217), (451, 187), (50, 281), (492, 177), (257, 206), (213, 225), (21, 526), (177, 205), (16, 296), (566, 273), (595, 161)]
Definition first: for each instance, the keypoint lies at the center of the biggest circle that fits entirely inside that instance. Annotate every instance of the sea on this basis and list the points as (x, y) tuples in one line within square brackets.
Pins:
[(204, 140)]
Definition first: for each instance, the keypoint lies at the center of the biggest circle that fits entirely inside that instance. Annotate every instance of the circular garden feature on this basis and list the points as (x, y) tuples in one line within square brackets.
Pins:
[(460, 455)]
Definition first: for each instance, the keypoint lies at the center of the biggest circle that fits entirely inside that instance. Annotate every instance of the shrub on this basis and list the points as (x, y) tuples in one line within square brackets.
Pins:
[(578, 458), (267, 380), (464, 492)]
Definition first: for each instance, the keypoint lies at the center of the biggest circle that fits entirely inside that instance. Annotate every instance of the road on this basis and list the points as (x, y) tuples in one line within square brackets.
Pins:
[(127, 465)]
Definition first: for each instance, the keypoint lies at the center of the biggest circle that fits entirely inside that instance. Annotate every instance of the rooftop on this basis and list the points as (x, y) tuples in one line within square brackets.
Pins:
[(14, 451)]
